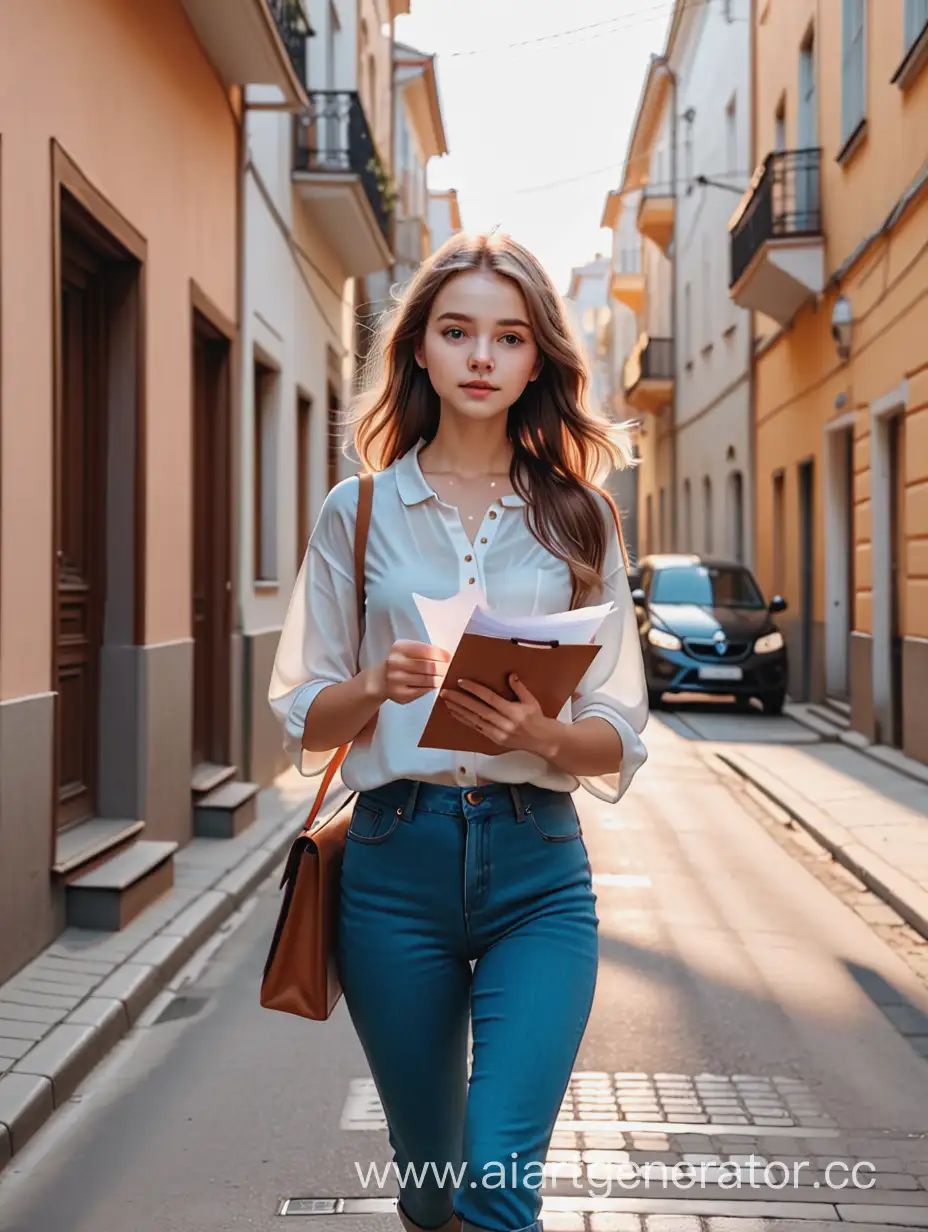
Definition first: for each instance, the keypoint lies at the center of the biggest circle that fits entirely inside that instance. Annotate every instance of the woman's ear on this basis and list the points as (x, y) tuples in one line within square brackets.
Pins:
[(419, 353), (539, 364)]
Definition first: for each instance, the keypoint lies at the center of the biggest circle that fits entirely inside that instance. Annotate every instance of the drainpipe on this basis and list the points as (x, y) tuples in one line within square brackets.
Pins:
[(674, 324)]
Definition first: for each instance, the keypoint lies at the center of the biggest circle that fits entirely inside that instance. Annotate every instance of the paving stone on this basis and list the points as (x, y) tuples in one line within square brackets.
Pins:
[(166, 953), (72, 965), (60, 983), (6, 1063), (65, 1057), (612, 1221), (26, 1102), (15, 1047), (15, 1028), (31, 1013), (672, 1223), (30, 993), (134, 984), (107, 1015), (909, 1216), (201, 919), (563, 1221)]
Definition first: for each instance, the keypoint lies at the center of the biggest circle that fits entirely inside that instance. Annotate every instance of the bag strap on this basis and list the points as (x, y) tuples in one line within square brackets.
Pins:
[(362, 526)]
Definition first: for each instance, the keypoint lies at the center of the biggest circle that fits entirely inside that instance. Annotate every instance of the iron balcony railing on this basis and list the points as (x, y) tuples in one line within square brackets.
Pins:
[(294, 30), (651, 359), (784, 201), (333, 137)]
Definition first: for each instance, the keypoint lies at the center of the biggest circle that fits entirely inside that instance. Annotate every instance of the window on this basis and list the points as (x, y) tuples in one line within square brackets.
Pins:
[(688, 324), (779, 135), (687, 516), (779, 532), (333, 435), (707, 514), (853, 67), (914, 20), (731, 135), (706, 586), (706, 291), (265, 472), (303, 422), (736, 490)]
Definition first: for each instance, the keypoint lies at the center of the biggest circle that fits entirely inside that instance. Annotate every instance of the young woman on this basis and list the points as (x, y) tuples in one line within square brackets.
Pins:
[(466, 893)]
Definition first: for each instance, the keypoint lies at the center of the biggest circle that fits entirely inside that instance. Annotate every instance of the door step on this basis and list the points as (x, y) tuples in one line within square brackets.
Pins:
[(116, 891), (82, 848), (225, 812), (207, 776), (832, 711)]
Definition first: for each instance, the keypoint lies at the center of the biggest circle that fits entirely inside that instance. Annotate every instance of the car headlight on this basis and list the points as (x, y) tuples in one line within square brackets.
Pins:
[(666, 641), (769, 642)]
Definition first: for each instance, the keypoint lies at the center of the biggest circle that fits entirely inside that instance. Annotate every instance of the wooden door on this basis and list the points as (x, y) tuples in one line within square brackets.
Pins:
[(80, 449), (211, 586)]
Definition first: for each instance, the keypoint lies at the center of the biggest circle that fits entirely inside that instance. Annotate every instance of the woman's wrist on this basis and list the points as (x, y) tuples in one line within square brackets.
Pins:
[(374, 683)]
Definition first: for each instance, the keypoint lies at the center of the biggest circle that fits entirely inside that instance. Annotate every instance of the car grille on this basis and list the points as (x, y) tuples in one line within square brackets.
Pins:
[(707, 650)]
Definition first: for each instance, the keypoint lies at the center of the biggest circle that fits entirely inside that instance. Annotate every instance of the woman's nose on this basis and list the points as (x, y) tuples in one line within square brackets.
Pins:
[(480, 358)]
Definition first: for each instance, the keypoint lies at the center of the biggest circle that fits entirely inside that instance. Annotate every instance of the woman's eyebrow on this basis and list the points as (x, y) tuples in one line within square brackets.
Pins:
[(462, 316)]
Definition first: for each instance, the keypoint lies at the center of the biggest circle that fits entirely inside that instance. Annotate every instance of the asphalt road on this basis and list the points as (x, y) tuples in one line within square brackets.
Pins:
[(737, 1001)]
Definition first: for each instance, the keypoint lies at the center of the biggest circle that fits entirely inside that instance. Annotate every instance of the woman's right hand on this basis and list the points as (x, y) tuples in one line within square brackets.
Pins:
[(409, 671)]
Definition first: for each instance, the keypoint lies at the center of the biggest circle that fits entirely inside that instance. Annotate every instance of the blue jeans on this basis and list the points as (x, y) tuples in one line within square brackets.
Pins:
[(435, 878)]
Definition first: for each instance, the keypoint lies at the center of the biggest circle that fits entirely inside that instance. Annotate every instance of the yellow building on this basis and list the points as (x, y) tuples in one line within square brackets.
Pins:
[(829, 249)]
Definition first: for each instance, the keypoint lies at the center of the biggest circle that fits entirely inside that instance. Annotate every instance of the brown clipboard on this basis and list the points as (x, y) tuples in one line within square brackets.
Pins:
[(549, 670)]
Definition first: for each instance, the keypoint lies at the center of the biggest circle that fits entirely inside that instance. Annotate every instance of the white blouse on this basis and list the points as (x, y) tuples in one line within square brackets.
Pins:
[(417, 543)]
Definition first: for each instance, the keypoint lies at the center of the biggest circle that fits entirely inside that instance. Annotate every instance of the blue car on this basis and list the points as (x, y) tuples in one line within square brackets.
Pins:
[(706, 628)]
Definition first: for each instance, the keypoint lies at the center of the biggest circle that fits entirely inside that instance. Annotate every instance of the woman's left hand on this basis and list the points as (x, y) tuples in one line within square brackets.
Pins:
[(519, 724)]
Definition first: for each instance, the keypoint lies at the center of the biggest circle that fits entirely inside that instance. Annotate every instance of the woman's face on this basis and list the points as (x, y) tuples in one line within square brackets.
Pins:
[(478, 346)]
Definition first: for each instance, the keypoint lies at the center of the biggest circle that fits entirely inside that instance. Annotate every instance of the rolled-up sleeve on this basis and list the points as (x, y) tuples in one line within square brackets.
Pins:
[(319, 642), (614, 689)]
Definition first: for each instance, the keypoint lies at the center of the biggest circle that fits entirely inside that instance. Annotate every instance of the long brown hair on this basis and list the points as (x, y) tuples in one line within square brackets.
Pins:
[(561, 448)]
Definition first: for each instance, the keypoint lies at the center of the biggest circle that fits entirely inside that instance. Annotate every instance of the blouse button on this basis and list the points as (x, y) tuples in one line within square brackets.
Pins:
[(492, 514), (468, 558), (483, 540), (470, 581)]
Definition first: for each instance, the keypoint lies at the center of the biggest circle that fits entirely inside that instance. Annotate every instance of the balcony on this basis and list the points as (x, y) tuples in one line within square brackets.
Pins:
[(648, 376), (255, 42), (339, 176), (655, 218), (777, 246), (627, 284)]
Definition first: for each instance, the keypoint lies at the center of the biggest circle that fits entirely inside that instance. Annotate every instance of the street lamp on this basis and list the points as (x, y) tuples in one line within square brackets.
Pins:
[(842, 320)]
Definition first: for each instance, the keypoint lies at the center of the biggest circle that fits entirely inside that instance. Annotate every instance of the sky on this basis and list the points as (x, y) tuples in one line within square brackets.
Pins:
[(537, 131)]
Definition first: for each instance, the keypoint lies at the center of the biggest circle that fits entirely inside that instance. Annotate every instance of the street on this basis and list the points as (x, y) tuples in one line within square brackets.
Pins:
[(737, 1012)]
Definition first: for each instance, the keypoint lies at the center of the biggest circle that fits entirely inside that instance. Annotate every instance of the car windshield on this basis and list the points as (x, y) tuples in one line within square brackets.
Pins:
[(706, 586)]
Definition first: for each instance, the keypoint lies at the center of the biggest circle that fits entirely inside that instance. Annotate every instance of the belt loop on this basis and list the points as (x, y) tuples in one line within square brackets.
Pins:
[(517, 803), (408, 808)]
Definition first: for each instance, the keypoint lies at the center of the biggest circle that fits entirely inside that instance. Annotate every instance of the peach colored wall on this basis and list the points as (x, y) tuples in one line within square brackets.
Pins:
[(800, 376), (127, 91)]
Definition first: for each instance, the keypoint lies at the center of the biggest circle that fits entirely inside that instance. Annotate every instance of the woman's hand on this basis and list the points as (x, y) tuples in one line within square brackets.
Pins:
[(409, 671), (519, 724)]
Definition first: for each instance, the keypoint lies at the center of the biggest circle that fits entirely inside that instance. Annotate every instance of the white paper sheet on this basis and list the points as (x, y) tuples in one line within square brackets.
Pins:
[(447, 620)]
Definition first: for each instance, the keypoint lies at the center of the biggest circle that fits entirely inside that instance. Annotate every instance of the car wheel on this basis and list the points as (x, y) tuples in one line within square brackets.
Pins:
[(773, 703)]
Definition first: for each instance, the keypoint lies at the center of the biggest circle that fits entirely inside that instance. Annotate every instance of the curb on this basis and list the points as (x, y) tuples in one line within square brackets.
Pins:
[(898, 891), (48, 1074)]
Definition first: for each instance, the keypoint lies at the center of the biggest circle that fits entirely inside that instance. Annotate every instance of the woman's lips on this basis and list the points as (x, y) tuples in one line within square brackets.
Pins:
[(479, 391)]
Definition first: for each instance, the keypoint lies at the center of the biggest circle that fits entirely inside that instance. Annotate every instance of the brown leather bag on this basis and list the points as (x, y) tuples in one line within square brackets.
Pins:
[(301, 972)]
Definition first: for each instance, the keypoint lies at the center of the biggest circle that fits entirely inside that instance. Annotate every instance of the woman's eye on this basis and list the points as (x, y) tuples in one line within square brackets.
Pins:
[(455, 331), (511, 339)]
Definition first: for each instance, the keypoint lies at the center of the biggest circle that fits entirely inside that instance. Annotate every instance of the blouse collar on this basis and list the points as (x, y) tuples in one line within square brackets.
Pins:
[(414, 488)]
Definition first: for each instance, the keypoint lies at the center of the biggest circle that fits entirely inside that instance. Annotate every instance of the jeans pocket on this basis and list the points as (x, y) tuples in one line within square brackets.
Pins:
[(369, 824), (557, 822)]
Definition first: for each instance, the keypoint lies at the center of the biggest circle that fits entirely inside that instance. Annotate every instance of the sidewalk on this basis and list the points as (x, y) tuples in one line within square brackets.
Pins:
[(871, 817), (66, 1009)]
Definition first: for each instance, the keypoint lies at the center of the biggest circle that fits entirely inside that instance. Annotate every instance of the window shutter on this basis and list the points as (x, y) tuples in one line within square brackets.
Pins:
[(914, 20), (853, 65)]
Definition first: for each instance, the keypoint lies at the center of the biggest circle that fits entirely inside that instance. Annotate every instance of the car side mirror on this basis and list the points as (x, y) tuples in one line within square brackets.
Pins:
[(639, 598), (778, 604)]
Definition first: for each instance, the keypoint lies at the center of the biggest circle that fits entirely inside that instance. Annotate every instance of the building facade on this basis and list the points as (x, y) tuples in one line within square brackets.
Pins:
[(444, 216), (320, 227), (119, 304), (828, 251)]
